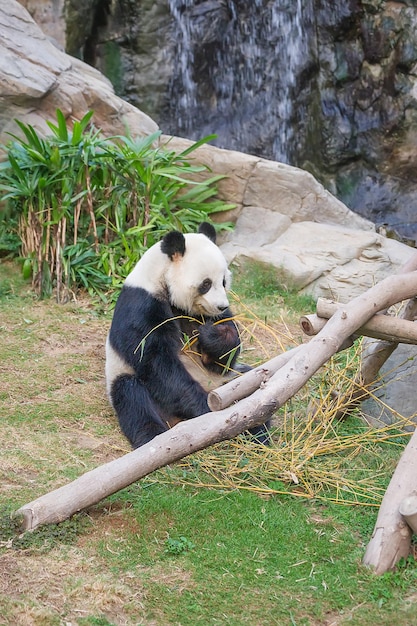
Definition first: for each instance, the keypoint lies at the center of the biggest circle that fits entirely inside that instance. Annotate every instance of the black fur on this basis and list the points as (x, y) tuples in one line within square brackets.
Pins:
[(161, 387), (173, 243), (218, 343), (208, 230), (219, 346)]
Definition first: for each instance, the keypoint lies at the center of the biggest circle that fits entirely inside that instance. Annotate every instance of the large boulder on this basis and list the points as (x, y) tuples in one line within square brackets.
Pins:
[(285, 218), (36, 78), (322, 259)]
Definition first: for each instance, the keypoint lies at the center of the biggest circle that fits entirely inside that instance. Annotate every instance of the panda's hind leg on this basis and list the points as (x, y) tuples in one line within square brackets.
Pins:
[(136, 411)]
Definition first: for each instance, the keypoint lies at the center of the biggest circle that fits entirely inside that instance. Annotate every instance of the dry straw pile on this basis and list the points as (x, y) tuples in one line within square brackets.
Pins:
[(314, 453)]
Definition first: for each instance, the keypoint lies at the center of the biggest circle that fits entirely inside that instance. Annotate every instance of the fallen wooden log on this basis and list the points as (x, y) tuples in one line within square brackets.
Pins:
[(376, 353), (182, 440), (385, 327), (205, 430), (312, 324), (408, 509)]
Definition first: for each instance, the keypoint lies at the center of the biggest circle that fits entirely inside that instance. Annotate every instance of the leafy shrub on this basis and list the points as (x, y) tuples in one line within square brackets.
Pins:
[(85, 207), (174, 547)]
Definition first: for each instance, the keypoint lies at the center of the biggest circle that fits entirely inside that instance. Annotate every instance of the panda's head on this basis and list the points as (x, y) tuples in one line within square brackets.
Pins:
[(196, 275)]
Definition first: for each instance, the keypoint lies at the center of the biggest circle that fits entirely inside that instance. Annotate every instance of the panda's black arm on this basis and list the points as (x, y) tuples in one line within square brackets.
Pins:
[(219, 343), (172, 387)]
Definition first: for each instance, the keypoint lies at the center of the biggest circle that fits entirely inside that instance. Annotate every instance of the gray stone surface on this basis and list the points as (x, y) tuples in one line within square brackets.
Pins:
[(324, 260), (36, 78), (395, 397)]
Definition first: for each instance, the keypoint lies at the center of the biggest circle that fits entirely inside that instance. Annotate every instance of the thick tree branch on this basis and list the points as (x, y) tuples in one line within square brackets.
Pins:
[(244, 385), (391, 538)]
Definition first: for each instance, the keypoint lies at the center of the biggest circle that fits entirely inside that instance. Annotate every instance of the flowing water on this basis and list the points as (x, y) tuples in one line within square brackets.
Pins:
[(238, 68)]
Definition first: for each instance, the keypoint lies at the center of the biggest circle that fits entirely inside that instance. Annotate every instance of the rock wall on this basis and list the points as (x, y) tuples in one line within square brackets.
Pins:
[(283, 215), (327, 85), (36, 78), (365, 148), (50, 16)]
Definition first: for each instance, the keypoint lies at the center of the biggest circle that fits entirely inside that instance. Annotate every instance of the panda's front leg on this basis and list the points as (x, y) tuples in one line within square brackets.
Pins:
[(173, 388), (139, 418), (219, 344)]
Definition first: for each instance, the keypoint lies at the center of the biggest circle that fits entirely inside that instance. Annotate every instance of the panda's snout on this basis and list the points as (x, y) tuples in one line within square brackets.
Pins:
[(222, 307)]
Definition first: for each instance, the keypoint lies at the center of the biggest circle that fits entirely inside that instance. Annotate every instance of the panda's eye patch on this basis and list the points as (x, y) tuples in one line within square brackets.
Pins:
[(205, 286)]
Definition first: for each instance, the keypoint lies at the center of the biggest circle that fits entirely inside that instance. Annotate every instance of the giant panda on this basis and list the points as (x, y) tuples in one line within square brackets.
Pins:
[(177, 289)]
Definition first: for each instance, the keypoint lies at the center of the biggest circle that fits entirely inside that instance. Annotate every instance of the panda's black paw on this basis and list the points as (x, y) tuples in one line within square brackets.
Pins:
[(242, 368), (217, 339), (261, 434)]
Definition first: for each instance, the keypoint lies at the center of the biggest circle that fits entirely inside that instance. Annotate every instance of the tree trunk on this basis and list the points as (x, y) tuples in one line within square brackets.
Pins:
[(201, 432)]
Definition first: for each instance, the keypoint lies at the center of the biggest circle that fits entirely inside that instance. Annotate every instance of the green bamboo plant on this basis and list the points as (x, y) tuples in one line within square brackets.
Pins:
[(85, 207)]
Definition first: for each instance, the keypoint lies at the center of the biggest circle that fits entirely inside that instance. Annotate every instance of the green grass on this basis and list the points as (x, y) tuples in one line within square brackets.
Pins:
[(168, 550), (247, 547), (260, 285)]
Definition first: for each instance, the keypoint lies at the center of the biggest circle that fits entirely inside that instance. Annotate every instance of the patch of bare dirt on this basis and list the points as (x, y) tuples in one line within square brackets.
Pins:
[(39, 589), (79, 342)]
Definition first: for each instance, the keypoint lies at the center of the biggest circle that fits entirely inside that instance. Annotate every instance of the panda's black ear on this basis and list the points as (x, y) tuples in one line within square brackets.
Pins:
[(173, 244), (208, 230)]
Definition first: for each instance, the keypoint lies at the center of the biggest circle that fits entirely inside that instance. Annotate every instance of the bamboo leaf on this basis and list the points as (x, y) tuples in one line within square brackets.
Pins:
[(85, 120), (62, 125), (31, 136), (77, 132), (196, 145)]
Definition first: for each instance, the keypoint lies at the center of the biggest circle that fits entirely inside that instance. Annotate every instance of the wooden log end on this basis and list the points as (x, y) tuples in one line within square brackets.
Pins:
[(312, 324), (25, 519), (214, 401), (408, 509)]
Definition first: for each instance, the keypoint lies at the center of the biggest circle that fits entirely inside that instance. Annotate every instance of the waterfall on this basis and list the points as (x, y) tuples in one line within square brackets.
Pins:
[(186, 95), (237, 70)]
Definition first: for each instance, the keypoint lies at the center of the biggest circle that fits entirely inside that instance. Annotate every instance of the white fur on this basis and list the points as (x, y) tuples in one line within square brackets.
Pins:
[(180, 278), (115, 366), (149, 272)]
